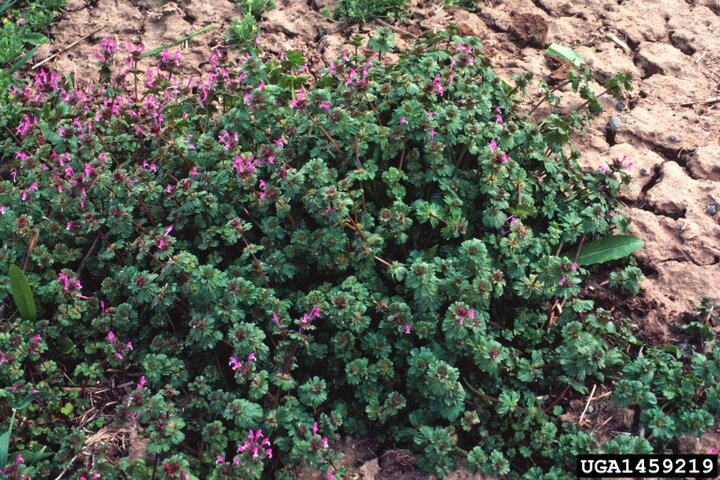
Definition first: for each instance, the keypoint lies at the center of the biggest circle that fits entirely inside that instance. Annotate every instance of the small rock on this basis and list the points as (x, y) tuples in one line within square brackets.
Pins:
[(644, 172), (675, 138), (608, 7), (711, 209), (620, 106), (613, 123)]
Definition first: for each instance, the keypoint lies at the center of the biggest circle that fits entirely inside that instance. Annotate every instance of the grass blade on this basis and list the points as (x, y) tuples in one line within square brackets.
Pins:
[(21, 63), (157, 50)]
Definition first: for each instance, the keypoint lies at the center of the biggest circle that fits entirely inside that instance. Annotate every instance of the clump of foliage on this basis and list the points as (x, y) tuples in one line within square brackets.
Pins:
[(243, 32), (21, 24), (365, 10), (268, 264)]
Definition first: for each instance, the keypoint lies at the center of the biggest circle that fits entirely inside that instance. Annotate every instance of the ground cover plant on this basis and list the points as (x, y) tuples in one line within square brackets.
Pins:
[(391, 251)]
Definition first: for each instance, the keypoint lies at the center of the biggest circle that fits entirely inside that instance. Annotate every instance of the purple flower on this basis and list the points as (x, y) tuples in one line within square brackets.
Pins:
[(299, 100), (498, 115), (325, 105), (234, 364), (437, 85)]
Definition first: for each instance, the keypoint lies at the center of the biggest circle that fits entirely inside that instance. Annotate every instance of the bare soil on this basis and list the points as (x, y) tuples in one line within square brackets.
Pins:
[(669, 126)]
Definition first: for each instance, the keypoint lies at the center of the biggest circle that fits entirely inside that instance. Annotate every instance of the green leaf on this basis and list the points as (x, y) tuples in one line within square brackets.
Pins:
[(21, 293), (565, 53), (157, 50), (66, 346), (21, 63), (7, 5), (4, 448), (29, 399), (33, 38), (609, 248), (35, 457)]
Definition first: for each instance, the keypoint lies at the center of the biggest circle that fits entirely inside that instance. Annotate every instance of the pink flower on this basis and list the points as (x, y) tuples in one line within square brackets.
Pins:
[(403, 121), (251, 357), (111, 337), (324, 442), (437, 86), (219, 459), (19, 459), (141, 383), (464, 313), (315, 428), (69, 225), (626, 163), (129, 346), (325, 105), (493, 145), (299, 100), (234, 364), (498, 115), (408, 329), (563, 281), (603, 169)]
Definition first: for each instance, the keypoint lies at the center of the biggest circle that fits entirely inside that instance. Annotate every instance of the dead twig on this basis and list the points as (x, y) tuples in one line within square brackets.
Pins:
[(63, 50), (708, 101), (587, 405)]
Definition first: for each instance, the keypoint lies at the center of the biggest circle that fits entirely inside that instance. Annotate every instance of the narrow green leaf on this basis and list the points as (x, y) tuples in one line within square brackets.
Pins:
[(607, 249), (29, 399), (21, 293), (33, 38), (565, 53), (21, 63), (4, 448), (35, 457), (157, 50), (7, 5)]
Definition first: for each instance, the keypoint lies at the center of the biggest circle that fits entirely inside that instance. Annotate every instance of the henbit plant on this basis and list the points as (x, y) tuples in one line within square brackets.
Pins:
[(270, 264)]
